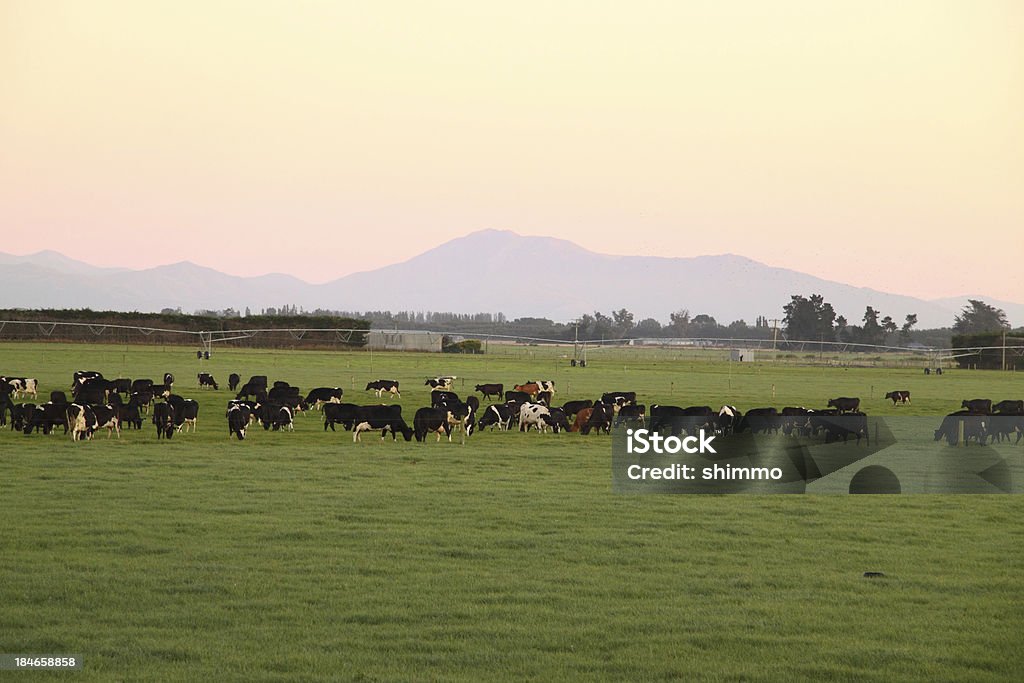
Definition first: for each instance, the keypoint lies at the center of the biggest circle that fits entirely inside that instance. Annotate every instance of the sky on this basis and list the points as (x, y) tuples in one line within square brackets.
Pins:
[(879, 144)]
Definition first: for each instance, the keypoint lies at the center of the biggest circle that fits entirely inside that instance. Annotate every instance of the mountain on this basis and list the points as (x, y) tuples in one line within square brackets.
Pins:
[(486, 271)]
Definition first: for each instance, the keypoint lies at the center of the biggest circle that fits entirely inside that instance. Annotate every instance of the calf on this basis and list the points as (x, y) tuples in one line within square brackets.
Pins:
[(207, 380), (384, 385), (898, 396), (844, 405), (489, 390), (582, 418), (384, 418)]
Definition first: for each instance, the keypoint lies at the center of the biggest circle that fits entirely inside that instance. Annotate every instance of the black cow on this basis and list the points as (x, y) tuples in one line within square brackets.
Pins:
[(186, 414), (601, 417), (619, 398), (978, 405), (238, 420), (258, 381), (759, 420), (207, 380), (142, 400), (384, 385), (20, 413), (430, 421), (6, 406), (44, 417), (844, 404), (518, 396), (676, 420), (321, 395), (94, 392), (631, 413), (439, 397), (257, 391), (122, 386), (1005, 424), (898, 396), (277, 417), (233, 382), (500, 414), (489, 390), (83, 376), (1012, 407), (556, 419), (58, 397), (384, 418), (142, 385), (163, 418), (974, 427), (573, 407), (339, 413), (842, 426), (129, 415)]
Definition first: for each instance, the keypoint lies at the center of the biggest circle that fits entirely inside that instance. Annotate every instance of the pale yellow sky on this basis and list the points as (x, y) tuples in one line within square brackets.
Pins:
[(875, 143)]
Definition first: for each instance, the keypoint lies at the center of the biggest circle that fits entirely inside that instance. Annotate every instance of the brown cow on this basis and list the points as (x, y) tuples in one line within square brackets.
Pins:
[(582, 418), (530, 388)]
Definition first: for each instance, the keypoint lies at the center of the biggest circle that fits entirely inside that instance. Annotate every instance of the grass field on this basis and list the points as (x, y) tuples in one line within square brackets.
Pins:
[(304, 556)]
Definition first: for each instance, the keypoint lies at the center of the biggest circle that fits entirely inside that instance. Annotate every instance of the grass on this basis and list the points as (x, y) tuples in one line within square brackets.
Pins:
[(303, 556)]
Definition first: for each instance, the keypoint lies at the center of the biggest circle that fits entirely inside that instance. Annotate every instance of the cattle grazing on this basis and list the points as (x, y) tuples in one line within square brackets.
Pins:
[(582, 418), (440, 383), (844, 404), (573, 407), (257, 391), (58, 396), (384, 385), (83, 376), (141, 385), (277, 417), (142, 400), (163, 418), (544, 397), (44, 417), (489, 390), (499, 415), (1006, 424), (186, 414), (531, 415), (898, 396), (19, 415), (978, 405), (601, 416), (556, 419), (439, 397), (633, 413), (21, 386), (238, 420), (431, 421), (1013, 407), (339, 413), (974, 427), (531, 389), (384, 418), (759, 420), (258, 381), (841, 426), (317, 397), (207, 380), (81, 420), (675, 420), (233, 381), (517, 396), (129, 416), (619, 398), (461, 415), (107, 418)]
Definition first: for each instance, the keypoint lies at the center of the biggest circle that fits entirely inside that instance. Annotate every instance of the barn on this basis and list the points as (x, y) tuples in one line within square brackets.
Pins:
[(403, 340)]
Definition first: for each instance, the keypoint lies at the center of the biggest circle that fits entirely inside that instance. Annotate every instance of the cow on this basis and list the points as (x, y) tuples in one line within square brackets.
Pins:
[(544, 397), (728, 418), (556, 419), (317, 397), (207, 380), (168, 381), (284, 393), (94, 392), (339, 413), (19, 415), (974, 427), (582, 418), (233, 381), (277, 417), (1012, 407), (631, 413), (129, 416), (571, 408), (58, 396), (258, 381), (619, 398), (489, 390), (384, 418), (440, 383), (141, 400), (23, 386), (841, 426), (759, 420), (384, 385), (531, 389), (257, 391), (461, 415), (498, 414), (676, 420), (601, 416), (517, 396), (163, 418), (439, 397), (6, 406), (44, 417), (531, 415), (978, 405), (898, 396), (238, 420), (844, 404), (186, 415), (83, 376), (82, 421), (543, 384), (1005, 424), (141, 385), (430, 421), (107, 418)]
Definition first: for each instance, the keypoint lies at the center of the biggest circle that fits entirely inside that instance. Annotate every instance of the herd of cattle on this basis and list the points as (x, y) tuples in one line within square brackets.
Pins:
[(97, 403)]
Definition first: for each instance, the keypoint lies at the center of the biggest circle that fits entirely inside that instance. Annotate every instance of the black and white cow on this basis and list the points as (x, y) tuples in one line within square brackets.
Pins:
[(500, 415), (728, 418), (440, 383), (44, 417), (600, 420), (432, 421), (440, 396), (186, 414), (22, 386), (619, 398), (238, 420), (489, 390), (277, 417), (384, 385), (532, 415), (83, 376), (82, 421), (384, 418), (556, 420), (901, 396), (168, 381), (163, 418), (317, 397), (573, 407), (207, 380)]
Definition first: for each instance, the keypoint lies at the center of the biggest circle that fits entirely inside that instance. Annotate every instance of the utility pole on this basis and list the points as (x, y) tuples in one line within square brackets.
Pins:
[(1004, 349), (775, 332)]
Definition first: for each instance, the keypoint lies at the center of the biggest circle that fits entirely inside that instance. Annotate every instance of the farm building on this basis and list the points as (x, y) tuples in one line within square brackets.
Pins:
[(403, 340), (742, 355)]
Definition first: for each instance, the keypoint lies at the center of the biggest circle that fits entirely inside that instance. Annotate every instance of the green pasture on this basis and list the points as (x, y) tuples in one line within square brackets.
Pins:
[(304, 556)]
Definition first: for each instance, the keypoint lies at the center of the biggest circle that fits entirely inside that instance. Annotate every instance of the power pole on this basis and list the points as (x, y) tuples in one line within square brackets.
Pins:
[(775, 332), (1004, 349)]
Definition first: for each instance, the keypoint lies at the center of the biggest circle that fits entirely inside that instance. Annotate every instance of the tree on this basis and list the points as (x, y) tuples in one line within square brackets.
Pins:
[(905, 330), (809, 318), (679, 322), (648, 327), (623, 321), (978, 317), (872, 332)]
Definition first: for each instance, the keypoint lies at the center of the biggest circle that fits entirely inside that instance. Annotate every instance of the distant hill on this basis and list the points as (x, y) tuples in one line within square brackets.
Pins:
[(486, 271)]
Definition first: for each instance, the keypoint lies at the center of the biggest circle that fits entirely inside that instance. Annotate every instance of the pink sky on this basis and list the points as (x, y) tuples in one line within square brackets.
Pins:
[(873, 143)]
